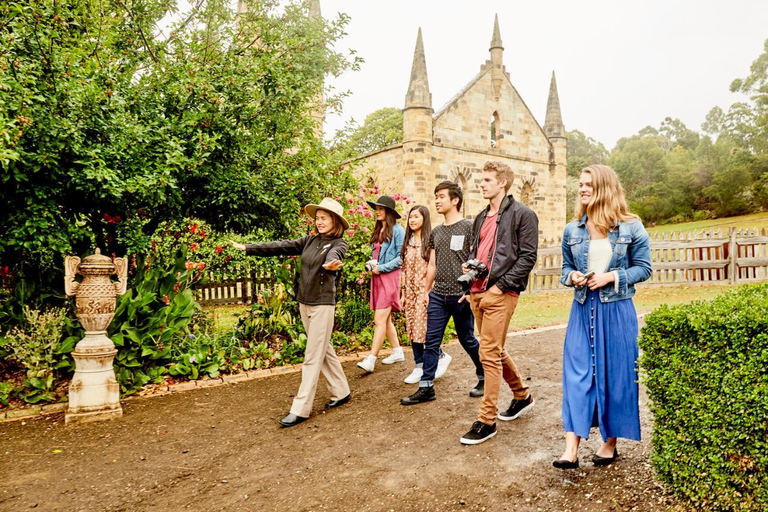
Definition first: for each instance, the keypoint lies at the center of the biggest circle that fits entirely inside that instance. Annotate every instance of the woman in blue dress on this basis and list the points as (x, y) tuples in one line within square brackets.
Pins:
[(606, 251)]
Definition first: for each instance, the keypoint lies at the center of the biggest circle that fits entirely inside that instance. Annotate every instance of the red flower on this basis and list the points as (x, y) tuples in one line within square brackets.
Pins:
[(350, 200), (177, 287), (202, 235), (219, 249), (193, 228), (194, 246), (200, 266), (351, 232), (166, 299), (189, 265)]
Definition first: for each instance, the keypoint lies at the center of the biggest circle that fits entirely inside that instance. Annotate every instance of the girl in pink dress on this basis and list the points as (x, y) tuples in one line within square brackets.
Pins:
[(386, 244)]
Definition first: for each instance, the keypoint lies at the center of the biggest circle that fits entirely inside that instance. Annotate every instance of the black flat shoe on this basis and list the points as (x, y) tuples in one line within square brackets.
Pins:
[(337, 403), (604, 461), (291, 420), (566, 464)]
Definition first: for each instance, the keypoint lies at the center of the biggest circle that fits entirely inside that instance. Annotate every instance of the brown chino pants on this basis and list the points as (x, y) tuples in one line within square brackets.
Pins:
[(319, 357), (493, 312)]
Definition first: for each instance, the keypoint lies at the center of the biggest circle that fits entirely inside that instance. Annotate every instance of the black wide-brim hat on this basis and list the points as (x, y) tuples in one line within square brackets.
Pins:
[(387, 202)]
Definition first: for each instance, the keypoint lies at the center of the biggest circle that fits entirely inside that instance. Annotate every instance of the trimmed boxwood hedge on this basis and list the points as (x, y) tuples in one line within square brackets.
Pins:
[(706, 369)]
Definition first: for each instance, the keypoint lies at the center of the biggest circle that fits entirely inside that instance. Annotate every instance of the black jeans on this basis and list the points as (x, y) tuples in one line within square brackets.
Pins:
[(440, 309)]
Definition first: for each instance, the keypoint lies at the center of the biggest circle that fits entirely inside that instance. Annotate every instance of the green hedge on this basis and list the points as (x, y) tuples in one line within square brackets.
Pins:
[(706, 370)]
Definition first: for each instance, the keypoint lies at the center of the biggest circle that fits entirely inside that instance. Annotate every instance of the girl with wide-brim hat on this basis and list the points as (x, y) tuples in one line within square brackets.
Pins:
[(386, 244), (321, 258)]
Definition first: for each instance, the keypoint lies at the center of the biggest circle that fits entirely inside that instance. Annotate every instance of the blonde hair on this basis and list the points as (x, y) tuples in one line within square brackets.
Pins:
[(502, 171), (608, 206)]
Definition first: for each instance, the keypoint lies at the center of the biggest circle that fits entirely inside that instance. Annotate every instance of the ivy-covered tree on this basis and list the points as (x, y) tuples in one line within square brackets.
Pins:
[(110, 124)]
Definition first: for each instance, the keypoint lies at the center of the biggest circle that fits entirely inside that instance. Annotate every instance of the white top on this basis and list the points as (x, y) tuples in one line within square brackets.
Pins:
[(599, 255)]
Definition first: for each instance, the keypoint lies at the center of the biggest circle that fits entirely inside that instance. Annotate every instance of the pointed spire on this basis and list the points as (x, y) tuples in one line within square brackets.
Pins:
[(314, 10), (553, 123), (496, 39), (418, 89)]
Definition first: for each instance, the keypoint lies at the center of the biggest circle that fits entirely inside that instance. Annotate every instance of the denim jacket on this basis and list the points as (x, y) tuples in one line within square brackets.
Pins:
[(389, 254), (631, 259)]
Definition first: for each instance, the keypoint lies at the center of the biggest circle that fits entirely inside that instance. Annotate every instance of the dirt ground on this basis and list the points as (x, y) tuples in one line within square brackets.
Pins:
[(221, 448)]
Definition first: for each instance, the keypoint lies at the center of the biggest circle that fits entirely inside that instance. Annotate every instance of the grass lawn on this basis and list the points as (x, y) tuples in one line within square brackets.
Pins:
[(225, 317), (539, 309), (552, 308), (756, 220)]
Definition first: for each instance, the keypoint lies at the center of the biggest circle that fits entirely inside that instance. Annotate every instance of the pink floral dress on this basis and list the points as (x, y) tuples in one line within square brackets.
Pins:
[(414, 282)]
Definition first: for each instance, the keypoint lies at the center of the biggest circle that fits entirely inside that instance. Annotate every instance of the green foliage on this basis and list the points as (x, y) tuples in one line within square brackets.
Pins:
[(353, 314), (151, 317), (705, 367), (37, 345), (583, 151), (106, 131), (382, 128), (7, 389)]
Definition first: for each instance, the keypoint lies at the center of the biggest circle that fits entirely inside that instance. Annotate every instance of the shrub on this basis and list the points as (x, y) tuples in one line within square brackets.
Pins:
[(706, 369), (36, 345)]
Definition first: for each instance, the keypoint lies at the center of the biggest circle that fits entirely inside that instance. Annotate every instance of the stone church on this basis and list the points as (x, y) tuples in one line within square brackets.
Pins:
[(486, 120)]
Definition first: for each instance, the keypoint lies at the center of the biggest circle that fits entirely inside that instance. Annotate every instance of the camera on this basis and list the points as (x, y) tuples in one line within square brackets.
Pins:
[(477, 270), (369, 265)]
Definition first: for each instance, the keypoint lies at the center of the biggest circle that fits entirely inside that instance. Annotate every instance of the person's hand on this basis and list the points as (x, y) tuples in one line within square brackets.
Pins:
[(375, 268), (333, 265), (600, 280), (578, 279), (463, 298), (402, 299), (239, 247), (464, 268), (426, 297)]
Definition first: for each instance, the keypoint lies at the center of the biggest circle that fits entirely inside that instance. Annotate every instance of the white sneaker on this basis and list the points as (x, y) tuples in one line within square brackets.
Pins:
[(396, 356), (415, 376), (368, 363), (442, 365)]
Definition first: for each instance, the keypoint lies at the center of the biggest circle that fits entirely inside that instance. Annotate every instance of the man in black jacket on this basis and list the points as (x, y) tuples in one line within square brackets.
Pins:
[(505, 240)]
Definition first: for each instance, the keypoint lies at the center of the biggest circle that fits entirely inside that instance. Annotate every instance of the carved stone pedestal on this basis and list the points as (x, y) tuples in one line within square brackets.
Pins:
[(94, 394)]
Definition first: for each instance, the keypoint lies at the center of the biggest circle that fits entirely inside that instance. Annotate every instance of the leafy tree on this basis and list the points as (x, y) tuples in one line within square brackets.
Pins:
[(106, 131), (382, 128), (583, 151)]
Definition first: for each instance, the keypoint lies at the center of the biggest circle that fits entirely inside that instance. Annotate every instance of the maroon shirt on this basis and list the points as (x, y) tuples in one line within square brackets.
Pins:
[(485, 249)]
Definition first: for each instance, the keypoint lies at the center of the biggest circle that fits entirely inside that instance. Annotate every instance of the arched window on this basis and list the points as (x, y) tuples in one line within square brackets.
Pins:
[(494, 129), (526, 194)]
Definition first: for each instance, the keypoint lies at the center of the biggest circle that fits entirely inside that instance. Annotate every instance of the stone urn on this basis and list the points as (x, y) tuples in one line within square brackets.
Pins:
[(94, 394)]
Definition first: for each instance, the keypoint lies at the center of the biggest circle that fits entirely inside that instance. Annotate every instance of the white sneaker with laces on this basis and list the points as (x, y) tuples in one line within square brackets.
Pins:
[(442, 365), (368, 363), (415, 376), (396, 356)]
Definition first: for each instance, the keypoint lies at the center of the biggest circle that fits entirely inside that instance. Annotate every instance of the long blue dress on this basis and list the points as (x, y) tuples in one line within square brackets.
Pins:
[(600, 369)]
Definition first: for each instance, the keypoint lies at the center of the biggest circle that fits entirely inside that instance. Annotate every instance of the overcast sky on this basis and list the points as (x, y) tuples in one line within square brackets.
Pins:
[(620, 65)]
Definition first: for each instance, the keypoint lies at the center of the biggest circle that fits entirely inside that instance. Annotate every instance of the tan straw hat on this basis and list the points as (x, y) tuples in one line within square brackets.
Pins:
[(328, 205)]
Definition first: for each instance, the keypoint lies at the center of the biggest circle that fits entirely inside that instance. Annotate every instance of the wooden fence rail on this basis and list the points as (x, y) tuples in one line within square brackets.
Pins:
[(693, 257)]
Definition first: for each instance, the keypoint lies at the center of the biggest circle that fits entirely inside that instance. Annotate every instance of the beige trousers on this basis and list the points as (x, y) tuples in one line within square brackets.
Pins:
[(319, 357), (493, 312)]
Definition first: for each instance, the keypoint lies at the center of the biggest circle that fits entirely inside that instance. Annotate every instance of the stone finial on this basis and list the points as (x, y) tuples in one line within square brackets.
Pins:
[(314, 10), (418, 89), (496, 39), (553, 123)]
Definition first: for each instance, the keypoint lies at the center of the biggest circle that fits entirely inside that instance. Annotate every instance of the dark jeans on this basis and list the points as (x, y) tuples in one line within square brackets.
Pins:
[(440, 309), (418, 353)]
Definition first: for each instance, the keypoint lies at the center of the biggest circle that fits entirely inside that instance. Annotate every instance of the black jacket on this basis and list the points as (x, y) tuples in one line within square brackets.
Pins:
[(317, 286), (517, 243)]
